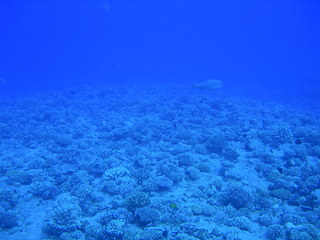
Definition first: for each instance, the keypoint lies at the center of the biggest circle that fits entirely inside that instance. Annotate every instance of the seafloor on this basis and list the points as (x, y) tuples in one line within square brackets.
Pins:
[(148, 163)]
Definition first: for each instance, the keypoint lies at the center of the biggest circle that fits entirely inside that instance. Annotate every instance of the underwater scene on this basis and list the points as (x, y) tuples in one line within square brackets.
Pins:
[(159, 120)]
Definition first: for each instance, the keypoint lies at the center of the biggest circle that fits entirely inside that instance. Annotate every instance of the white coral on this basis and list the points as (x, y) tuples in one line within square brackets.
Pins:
[(115, 173)]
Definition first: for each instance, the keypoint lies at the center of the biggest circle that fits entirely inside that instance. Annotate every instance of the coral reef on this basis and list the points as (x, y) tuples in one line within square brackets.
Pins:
[(142, 163)]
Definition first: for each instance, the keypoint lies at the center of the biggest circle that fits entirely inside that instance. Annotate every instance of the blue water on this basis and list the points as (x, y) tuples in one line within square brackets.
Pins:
[(145, 120)]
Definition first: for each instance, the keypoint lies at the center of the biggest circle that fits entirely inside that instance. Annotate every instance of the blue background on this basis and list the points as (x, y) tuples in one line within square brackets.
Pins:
[(265, 47)]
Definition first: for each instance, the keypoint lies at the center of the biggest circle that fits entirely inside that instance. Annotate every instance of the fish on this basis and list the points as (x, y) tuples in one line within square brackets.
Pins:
[(209, 84)]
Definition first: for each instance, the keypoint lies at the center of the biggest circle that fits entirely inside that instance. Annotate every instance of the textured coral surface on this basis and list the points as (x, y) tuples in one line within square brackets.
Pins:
[(148, 162)]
